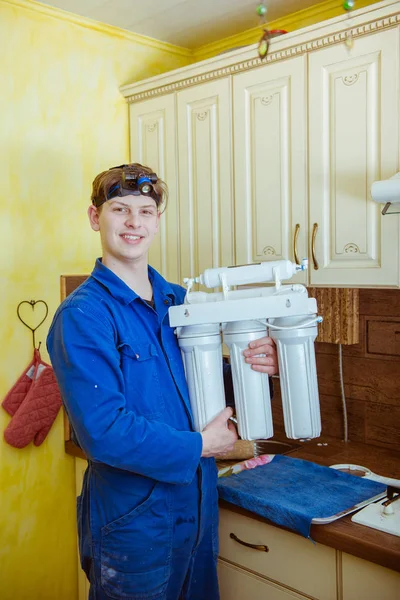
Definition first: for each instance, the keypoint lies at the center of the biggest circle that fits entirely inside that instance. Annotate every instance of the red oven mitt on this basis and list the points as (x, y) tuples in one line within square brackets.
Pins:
[(34, 415)]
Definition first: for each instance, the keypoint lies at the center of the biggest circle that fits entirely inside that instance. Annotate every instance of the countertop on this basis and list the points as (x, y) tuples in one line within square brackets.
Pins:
[(361, 541), (358, 540)]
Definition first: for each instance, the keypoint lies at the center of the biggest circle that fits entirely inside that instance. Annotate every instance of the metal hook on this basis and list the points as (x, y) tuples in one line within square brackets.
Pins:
[(33, 329)]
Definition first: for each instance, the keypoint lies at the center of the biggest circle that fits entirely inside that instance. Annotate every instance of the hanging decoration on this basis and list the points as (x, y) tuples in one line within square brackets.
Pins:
[(348, 5), (268, 34), (263, 44)]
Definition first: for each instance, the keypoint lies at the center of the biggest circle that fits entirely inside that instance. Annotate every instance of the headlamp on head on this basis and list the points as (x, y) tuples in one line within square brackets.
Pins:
[(139, 182), (134, 183)]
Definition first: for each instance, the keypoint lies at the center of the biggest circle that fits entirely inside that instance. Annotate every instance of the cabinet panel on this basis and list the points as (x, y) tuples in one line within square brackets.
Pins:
[(353, 118), (363, 580), (292, 560), (237, 584), (205, 177), (270, 162), (153, 143)]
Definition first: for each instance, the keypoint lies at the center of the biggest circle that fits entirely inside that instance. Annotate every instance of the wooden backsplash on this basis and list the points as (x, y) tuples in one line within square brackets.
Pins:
[(371, 372)]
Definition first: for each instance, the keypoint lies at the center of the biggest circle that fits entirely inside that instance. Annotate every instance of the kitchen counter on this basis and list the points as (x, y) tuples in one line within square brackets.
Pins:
[(361, 541), (358, 540)]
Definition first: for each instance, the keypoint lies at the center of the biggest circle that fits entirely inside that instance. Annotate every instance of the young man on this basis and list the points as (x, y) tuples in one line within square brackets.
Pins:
[(148, 514)]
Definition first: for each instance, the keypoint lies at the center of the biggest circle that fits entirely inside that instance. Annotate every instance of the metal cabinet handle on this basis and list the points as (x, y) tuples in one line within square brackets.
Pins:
[(314, 235), (260, 547), (296, 235)]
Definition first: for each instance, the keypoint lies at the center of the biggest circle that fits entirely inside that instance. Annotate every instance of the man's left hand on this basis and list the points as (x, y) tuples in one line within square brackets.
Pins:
[(268, 361)]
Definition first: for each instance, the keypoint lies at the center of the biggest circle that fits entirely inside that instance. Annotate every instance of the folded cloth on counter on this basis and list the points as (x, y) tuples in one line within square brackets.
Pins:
[(33, 402), (292, 492)]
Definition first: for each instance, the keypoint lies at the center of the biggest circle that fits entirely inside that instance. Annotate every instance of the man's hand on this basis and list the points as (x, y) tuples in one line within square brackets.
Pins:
[(220, 435), (267, 363)]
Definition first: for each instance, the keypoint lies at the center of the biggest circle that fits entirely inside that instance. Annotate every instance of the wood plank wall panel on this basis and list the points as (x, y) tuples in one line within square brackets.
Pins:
[(340, 309), (371, 370)]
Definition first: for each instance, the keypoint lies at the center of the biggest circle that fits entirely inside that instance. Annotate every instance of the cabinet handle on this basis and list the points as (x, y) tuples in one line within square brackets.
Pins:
[(314, 235), (260, 547), (296, 235)]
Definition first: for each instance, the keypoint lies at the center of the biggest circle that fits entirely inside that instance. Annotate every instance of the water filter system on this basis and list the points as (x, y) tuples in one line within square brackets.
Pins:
[(237, 317)]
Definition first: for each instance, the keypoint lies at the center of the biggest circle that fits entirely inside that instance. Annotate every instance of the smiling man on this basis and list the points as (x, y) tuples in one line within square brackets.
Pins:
[(148, 512)]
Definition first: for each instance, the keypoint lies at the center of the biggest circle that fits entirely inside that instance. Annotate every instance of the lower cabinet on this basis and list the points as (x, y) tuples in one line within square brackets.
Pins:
[(237, 584), (293, 567), (362, 580)]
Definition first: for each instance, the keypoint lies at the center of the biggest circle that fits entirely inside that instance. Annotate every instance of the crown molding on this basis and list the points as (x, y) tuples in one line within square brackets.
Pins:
[(284, 52), (292, 22), (117, 32)]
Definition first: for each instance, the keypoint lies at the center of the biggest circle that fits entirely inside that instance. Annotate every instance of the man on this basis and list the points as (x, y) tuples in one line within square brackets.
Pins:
[(147, 515)]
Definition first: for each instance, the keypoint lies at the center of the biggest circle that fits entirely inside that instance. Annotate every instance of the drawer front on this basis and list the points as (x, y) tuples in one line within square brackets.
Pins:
[(236, 584), (363, 580), (291, 560)]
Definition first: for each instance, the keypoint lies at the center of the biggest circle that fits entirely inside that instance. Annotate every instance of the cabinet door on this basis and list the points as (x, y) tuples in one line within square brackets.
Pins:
[(237, 584), (353, 141), (363, 580), (205, 177), (153, 143), (270, 124)]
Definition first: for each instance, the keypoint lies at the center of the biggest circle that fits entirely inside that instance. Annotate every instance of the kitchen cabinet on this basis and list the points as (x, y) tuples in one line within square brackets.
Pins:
[(270, 150), (291, 565), (362, 580), (237, 584), (353, 141), (205, 177), (153, 143), (274, 159)]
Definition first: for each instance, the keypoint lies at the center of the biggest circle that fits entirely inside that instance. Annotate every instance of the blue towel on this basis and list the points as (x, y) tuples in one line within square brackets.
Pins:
[(291, 492)]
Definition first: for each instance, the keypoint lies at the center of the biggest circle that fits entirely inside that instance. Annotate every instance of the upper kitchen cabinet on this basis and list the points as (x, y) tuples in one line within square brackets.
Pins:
[(205, 177), (153, 143), (353, 141), (274, 159), (270, 150)]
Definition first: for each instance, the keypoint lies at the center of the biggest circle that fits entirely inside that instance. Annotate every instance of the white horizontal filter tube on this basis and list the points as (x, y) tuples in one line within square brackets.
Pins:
[(251, 388), (201, 348), (244, 275), (298, 375)]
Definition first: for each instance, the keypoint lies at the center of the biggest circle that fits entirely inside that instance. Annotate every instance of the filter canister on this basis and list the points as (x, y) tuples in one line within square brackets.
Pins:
[(201, 349), (298, 376), (251, 388)]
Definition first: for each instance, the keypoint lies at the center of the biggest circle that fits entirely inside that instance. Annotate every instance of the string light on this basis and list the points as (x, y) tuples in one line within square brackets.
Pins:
[(348, 5)]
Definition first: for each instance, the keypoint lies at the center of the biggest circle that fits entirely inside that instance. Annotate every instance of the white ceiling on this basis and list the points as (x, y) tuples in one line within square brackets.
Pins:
[(187, 23)]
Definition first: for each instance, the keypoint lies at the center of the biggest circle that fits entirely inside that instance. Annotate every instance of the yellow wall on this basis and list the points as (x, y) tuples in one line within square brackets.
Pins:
[(62, 121)]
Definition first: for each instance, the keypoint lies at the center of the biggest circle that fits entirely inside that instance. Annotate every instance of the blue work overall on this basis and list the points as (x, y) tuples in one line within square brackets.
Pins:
[(148, 512)]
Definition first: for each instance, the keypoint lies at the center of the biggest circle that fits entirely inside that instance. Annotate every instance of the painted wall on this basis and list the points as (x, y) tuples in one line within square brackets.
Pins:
[(62, 121)]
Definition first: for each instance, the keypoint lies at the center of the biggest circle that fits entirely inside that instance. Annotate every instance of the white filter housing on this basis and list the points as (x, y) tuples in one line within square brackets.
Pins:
[(201, 349), (251, 388), (298, 376)]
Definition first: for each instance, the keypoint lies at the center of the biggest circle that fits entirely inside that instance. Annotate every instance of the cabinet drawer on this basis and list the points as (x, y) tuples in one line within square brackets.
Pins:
[(363, 580), (236, 584), (291, 560)]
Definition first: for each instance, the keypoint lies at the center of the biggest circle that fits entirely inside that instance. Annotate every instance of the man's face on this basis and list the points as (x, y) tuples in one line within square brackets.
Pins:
[(127, 227)]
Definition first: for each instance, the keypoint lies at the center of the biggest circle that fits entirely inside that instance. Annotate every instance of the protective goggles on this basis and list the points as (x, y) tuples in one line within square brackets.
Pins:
[(134, 183)]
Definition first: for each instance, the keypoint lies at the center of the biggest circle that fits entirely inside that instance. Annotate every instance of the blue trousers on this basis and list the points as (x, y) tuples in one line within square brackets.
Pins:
[(193, 574)]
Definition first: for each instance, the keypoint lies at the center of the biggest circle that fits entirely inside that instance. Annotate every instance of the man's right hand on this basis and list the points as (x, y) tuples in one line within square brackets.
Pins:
[(220, 435)]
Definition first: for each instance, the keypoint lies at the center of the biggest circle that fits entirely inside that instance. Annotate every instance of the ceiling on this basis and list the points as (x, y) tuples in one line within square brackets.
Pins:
[(187, 23)]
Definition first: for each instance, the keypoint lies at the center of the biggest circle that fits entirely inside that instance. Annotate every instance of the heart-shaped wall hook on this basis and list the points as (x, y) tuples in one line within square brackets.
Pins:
[(33, 303)]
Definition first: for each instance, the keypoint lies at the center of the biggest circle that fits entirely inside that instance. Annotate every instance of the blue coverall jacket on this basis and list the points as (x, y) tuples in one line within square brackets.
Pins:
[(148, 512)]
